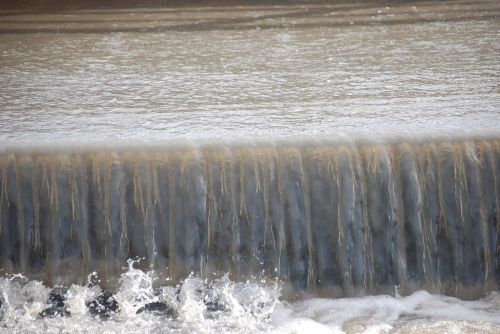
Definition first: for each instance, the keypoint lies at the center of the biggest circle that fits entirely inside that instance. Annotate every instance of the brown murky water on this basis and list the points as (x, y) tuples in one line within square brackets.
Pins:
[(247, 72), (192, 75)]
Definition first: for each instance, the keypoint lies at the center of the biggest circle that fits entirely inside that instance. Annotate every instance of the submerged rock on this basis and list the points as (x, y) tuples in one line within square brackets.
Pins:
[(159, 309), (214, 309), (58, 307), (103, 306), (54, 311)]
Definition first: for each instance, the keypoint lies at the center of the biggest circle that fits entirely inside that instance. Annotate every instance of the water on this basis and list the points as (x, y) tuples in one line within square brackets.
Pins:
[(248, 308), (261, 160), (420, 69), (333, 218)]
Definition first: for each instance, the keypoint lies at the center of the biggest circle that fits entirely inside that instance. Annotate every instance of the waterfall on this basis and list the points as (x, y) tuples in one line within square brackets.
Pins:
[(328, 218)]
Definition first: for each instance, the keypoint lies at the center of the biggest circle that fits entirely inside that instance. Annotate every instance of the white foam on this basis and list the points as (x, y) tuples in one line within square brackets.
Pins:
[(250, 308), (382, 314)]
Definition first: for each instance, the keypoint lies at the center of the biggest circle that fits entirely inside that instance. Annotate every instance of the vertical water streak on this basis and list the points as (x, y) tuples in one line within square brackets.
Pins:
[(190, 216), (415, 236), (162, 237), (384, 219), (334, 219), (324, 194), (96, 215), (497, 176), (290, 161), (113, 187), (476, 254), (488, 209), (67, 252)]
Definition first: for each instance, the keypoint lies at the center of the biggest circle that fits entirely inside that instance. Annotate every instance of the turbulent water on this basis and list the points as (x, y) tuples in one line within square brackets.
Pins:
[(259, 161), (248, 307)]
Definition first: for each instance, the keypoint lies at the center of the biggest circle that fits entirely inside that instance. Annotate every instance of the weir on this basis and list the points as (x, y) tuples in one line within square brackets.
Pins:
[(329, 218)]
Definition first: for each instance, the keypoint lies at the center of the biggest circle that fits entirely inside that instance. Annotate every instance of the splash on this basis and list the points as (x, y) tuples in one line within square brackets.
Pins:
[(198, 305), (194, 305)]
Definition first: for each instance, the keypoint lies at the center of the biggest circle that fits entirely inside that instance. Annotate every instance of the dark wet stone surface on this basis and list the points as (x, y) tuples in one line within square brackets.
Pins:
[(58, 307), (103, 306), (216, 307), (54, 311), (158, 308)]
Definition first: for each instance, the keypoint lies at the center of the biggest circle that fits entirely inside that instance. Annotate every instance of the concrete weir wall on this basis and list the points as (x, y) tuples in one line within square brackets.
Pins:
[(337, 219)]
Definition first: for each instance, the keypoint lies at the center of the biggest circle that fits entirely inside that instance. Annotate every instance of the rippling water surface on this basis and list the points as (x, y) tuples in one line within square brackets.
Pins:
[(248, 73), (245, 73)]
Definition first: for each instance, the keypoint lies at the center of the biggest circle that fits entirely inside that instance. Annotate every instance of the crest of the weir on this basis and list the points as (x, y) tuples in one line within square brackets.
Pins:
[(338, 219)]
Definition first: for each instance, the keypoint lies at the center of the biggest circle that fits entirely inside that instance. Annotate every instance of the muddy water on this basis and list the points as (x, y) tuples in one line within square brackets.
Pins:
[(320, 71), (247, 72)]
